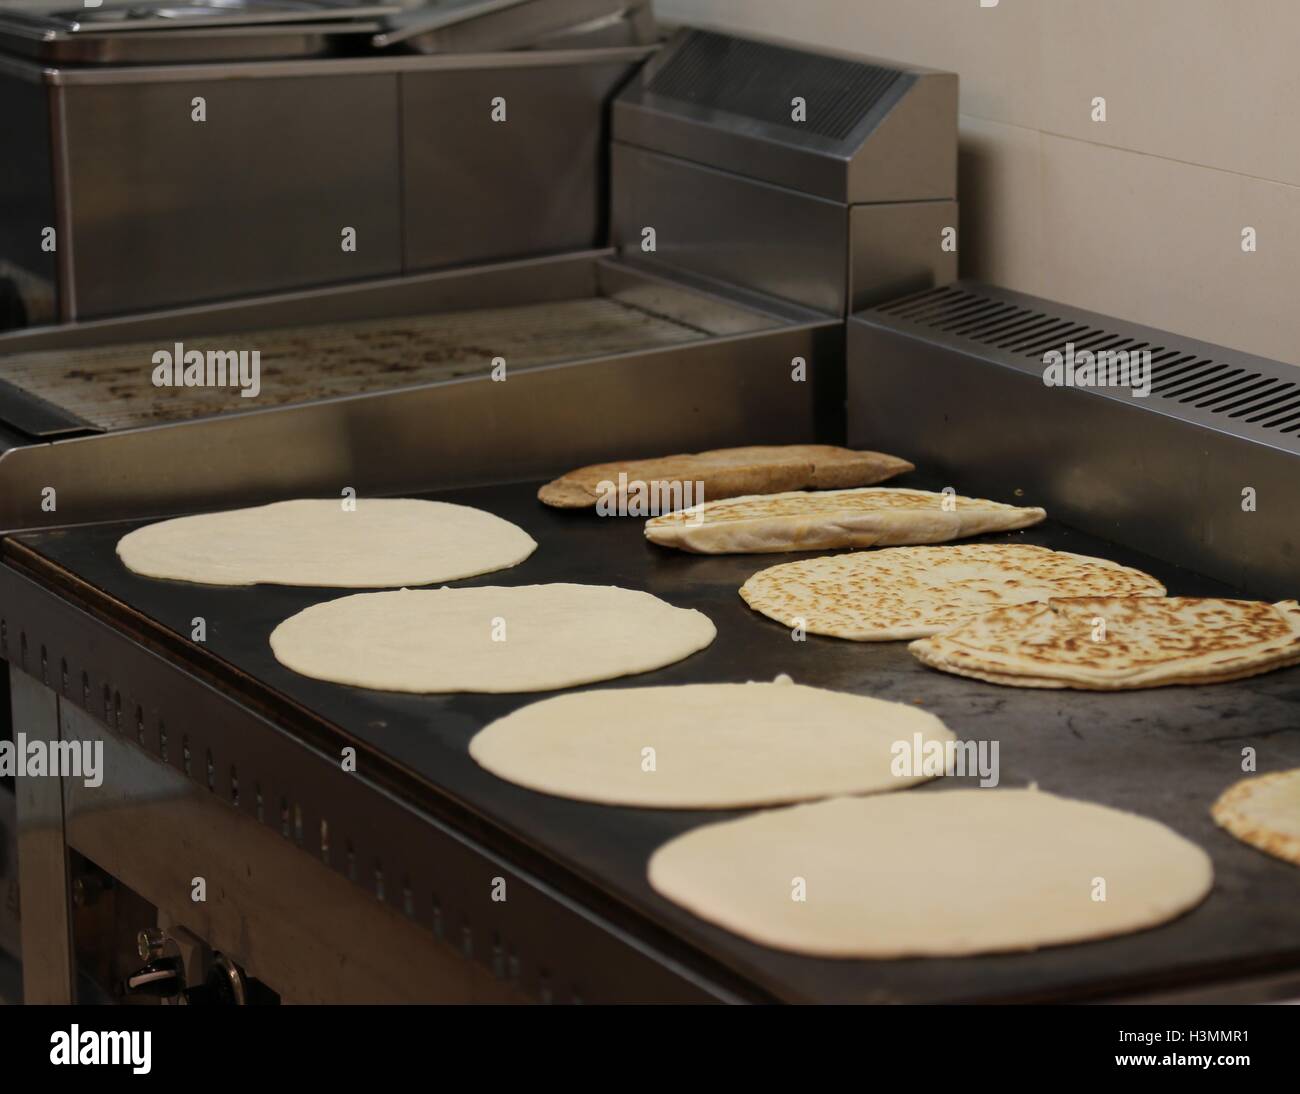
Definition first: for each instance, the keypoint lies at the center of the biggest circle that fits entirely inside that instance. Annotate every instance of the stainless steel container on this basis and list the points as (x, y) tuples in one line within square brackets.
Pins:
[(823, 179)]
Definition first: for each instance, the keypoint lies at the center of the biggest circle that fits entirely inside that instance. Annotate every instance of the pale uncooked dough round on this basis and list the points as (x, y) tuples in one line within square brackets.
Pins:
[(715, 746), (492, 639), (381, 543), (933, 873)]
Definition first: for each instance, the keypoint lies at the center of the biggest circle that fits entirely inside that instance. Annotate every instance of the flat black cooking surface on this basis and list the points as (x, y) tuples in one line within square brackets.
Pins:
[(1166, 753)]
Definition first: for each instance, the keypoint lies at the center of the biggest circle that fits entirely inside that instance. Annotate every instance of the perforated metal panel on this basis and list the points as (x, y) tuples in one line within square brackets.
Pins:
[(1192, 375), (1201, 470), (759, 81)]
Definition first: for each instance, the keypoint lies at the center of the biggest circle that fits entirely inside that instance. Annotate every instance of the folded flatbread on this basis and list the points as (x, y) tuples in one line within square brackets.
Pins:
[(878, 516), (725, 473)]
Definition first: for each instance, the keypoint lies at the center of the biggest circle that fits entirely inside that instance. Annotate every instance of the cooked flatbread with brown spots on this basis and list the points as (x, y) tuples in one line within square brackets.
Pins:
[(879, 516), (911, 592), (1114, 643), (726, 473), (1264, 811)]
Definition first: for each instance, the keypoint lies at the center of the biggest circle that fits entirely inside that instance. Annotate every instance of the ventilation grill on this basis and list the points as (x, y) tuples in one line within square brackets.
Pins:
[(1200, 382), (758, 81)]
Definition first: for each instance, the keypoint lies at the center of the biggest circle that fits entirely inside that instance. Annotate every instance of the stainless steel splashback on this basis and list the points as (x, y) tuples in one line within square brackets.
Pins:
[(823, 179), (1202, 470), (155, 208)]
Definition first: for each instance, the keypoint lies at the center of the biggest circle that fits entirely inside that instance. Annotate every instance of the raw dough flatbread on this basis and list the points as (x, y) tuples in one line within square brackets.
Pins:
[(716, 746), (727, 472), (879, 516), (490, 639), (1264, 811), (381, 543), (911, 592), (933, 873), (1147, 642)]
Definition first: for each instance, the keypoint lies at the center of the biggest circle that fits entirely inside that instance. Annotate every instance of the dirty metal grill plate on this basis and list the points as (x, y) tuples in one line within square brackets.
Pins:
[(112, 386)]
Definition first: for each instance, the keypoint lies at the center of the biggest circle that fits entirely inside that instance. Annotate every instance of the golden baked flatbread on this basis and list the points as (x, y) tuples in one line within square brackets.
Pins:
[(1264, 811), (1115, 643), (725, 473), (911, 592), (879, 516)]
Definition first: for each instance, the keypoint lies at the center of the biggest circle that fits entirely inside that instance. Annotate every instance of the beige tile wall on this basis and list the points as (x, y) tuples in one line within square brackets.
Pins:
[(1138, 216)]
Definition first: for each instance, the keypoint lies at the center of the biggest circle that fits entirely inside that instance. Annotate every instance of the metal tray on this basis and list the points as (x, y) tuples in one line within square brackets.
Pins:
[(184, 44), (174, 14), (474, 26)]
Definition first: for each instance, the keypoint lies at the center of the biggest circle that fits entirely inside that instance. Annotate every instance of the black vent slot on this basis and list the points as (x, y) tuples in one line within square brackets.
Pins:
[(1214, 387), (758, 81)]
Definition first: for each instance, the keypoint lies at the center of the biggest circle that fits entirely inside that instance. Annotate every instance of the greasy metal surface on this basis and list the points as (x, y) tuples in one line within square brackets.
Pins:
[(113, 387), (1166, 754), (1164, 473)]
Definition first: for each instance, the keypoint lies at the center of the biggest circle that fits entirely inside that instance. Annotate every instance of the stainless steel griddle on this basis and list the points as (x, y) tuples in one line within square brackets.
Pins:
[(215, 742)]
